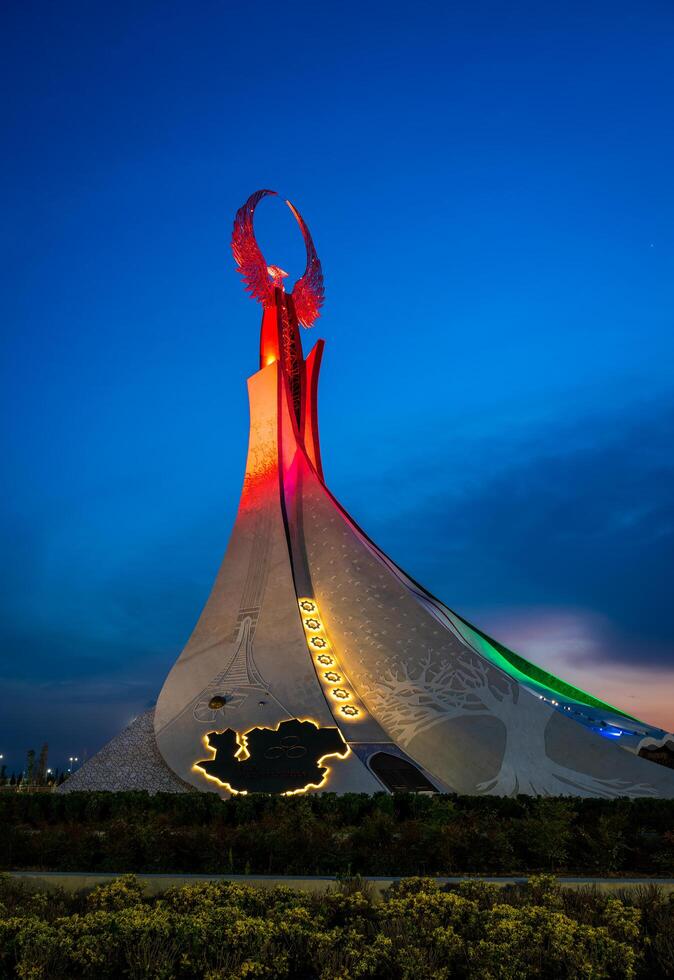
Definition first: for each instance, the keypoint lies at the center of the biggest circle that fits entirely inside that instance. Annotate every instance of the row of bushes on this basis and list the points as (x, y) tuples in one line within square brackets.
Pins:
[(225, 931), (327, 834)]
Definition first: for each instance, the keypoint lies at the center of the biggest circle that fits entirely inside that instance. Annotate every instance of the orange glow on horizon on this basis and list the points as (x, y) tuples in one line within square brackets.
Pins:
[(577, 644)]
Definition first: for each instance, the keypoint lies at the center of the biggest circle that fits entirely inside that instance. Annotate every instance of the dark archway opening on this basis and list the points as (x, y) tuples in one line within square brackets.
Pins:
[(399, 776)]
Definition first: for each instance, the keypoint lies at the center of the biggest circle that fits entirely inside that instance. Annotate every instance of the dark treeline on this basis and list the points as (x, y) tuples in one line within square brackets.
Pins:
[(36, 774), (327, 834)]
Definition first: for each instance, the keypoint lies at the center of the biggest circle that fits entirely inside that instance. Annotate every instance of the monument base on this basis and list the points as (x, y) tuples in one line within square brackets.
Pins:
[(130, 760)]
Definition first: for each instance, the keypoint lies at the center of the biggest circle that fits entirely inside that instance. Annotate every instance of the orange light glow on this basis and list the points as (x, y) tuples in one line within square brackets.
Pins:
[(349, 710), (269, 333), (261, 478)]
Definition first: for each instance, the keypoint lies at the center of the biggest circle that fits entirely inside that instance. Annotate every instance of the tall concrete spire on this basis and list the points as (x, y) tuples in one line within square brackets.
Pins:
[(319, 664)]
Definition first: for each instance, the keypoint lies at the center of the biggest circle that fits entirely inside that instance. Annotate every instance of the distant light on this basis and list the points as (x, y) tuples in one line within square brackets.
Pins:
[(612, 733)]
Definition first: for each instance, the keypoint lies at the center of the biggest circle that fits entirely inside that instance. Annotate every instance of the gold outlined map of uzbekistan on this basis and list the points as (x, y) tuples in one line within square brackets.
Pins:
[(278, 760)]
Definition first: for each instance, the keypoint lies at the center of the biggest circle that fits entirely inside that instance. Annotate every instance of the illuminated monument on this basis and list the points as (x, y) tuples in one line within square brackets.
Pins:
[(317, 663)]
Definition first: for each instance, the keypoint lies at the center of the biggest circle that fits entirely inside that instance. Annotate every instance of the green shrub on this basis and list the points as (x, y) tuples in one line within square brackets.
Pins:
[(355, 834), (226, 930), (122, 893)]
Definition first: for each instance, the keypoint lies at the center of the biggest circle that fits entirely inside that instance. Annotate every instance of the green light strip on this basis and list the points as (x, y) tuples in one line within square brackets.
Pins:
[(522, 669)]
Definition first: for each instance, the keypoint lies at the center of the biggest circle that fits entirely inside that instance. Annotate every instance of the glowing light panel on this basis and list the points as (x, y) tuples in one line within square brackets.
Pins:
[(317, 642)]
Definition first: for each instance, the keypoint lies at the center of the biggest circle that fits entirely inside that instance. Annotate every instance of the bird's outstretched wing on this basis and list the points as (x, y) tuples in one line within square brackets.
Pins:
[(308, 292), (247, 254)]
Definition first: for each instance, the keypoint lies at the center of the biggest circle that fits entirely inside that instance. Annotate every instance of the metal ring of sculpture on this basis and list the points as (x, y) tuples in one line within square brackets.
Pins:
[(260, 279)]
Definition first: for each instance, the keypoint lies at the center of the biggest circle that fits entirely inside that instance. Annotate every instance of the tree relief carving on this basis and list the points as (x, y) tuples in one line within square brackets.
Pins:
[(410, 697)]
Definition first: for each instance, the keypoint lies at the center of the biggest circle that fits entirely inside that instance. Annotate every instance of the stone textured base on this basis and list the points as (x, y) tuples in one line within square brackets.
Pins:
[(131, 760)]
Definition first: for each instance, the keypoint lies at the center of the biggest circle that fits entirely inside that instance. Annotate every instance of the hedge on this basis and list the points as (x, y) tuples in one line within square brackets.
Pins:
[(328, 834), (224, 931)]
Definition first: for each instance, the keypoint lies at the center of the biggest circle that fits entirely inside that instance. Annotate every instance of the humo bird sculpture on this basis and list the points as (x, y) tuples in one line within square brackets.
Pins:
[(283, 311)]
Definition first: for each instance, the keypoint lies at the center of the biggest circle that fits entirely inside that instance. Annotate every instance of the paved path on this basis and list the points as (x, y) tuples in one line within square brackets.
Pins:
[(155, 883)]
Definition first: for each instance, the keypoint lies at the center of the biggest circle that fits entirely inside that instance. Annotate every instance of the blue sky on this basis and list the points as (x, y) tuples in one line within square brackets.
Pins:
[(489, 189)]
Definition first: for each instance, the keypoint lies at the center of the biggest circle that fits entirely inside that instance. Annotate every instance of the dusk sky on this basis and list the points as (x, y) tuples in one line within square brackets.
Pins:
[(489, 187)]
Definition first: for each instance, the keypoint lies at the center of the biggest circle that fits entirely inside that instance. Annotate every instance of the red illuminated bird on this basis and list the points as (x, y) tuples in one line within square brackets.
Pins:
[(261, 279), (283, 311)]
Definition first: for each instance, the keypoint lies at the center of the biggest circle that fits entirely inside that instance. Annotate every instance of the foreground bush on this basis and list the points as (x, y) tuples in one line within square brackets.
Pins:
[(225, 930), (326, 834)]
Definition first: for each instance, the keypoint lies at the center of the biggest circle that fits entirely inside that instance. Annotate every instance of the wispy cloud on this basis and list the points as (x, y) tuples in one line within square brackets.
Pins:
[(587, 650)]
